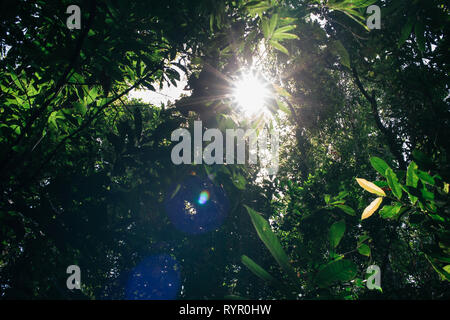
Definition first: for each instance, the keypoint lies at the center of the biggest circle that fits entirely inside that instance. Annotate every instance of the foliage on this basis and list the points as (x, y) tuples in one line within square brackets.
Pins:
[(86, 172)]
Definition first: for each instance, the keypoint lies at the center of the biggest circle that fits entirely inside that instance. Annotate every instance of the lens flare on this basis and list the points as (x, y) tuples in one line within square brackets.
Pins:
[(155, 278), (251, 93), (204, 196), (196, 205)]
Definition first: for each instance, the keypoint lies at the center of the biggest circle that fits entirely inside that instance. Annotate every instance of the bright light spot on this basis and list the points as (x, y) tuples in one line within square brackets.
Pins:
[(204, 196), (189, 208), (251, 93)]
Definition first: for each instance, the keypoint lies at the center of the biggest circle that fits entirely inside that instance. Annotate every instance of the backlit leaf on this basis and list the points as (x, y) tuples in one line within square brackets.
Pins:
[(371, 208), (411, 175), (390, 211), (369, 186), (279, 47)]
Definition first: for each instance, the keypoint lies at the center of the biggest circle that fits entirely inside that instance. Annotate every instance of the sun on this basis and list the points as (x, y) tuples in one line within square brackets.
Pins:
[(251, 93)]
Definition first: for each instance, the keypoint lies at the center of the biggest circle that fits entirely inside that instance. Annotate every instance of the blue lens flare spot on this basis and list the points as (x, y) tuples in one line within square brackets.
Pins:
[(196, 205), (155, 278), (204, 197)]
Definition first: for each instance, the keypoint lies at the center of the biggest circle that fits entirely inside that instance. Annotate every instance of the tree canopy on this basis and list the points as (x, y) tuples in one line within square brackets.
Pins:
[(87, 178)]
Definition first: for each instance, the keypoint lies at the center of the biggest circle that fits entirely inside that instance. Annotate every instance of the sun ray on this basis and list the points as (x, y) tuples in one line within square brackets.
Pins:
[(251, 93)]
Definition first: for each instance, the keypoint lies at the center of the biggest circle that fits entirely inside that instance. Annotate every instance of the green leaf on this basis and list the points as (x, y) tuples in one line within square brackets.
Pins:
[(285, 29), (393, 183), (91, 95), (55, 115), (327, 198), (390, 211), (271, 241), (273, 24), (283, 107), (425, 177), (427, 194), (440, 258), (257, 269), (283, 36), (380, 165), (346, 209), (356, 16), (257, 7), (16, 128), (80, 107), (411, 175), (342, 194), (364, 249), (16, 81), (336, 271), (336, 233), (443, 273), (363, 238), (279, 47)]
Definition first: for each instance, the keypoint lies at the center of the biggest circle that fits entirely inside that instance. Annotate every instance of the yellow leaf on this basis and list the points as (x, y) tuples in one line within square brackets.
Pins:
[(371, 208), (369, 186)]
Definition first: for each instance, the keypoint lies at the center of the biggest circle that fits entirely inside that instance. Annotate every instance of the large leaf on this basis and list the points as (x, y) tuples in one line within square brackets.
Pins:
[(390, 211), (285, 29), (379, 164), (442, 272), (411, 175), (393, 183), (336, 233), (279, 47), (425, 177), (257, 269), (271, 241), (371, 208), (283, 36), (346, 209), (369, 186), (273, 24), (336, 271)]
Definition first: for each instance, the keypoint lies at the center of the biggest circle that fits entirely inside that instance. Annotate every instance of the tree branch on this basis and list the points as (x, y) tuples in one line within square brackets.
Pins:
[(390, 138), (59, 85)]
